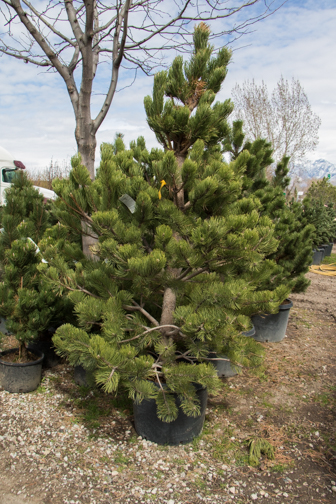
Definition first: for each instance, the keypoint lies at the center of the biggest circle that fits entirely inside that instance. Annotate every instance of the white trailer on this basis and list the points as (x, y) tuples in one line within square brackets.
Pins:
[(8, 168)]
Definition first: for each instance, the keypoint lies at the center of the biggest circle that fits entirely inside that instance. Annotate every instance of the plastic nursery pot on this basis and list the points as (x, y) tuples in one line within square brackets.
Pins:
[(83, 378), (45, 345), (20, 377), (317, 256), (224, 368), (80, 377), (182, 430), (250, 333), (328, 249), (322, 248), (272, 328), (3, 327)]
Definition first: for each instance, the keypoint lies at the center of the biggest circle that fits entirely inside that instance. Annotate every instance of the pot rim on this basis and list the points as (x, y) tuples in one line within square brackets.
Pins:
[(38, 353), (286, 306)]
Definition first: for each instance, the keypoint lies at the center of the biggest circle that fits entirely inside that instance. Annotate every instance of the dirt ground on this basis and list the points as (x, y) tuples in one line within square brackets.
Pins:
[(67, 444)]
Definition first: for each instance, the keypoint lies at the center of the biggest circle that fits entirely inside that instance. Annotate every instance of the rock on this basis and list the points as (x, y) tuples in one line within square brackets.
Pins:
[(333, 488), (232, 490)]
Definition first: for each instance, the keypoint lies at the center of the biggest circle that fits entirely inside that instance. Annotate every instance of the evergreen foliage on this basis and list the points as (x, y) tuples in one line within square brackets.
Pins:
[(294, 252), (26, 301), (322, 190), (323, 218), (180, 254), (189, 113)]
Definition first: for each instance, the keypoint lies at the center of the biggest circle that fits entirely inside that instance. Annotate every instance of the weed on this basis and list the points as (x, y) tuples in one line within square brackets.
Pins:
[(326, 398), (249, 422), (121, 459), (200, 483), (267, 404), (40, 390), (281, 468)]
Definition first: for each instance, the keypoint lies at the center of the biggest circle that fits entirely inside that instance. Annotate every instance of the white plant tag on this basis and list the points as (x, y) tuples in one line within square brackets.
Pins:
[(128, 201)]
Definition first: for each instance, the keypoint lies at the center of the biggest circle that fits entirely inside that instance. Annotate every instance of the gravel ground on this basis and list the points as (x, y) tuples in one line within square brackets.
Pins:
[(72, 445)]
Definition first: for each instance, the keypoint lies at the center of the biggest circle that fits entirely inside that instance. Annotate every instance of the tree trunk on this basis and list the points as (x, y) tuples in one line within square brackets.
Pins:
[(89, 241), (180, 158), (169, 296), (86, 144)]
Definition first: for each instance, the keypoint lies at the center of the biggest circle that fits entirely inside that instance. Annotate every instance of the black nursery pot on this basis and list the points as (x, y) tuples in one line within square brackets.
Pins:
[(317, 256), (19, 377), (182, 430), (328, 249), (46, 346), (250, 333), (272, 327), (224, 368)]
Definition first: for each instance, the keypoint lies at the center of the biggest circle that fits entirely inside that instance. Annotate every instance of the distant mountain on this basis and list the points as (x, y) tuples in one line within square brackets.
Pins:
[(316, 169)]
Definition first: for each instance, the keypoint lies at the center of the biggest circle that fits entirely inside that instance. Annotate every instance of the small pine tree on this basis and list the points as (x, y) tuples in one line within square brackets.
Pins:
[(26, 301), (322, 190), (294, 253), (180, 253), (322, 217)]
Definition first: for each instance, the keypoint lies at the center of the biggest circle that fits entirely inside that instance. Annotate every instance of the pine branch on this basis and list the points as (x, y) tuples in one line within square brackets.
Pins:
[(148, 331), (137, 307)]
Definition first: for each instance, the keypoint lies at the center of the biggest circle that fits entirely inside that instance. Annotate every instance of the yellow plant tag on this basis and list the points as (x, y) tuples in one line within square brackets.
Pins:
[(163, 183)]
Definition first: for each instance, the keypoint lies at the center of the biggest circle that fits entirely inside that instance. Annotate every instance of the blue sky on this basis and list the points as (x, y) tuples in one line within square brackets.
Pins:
[(37, 121)]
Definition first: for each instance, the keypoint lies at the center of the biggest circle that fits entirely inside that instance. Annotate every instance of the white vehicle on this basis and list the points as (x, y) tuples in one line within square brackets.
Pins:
[(8, 167)]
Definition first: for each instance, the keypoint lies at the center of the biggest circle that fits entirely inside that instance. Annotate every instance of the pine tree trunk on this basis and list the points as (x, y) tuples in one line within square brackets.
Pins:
[(169, 297), (180, 158), (89, 241)]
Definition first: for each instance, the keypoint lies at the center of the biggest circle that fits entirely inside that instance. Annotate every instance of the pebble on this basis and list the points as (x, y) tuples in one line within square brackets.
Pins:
[(333, 488), (254, 496)]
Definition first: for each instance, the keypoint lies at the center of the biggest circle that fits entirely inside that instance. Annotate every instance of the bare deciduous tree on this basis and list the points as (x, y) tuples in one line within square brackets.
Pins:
[(72, 37), (284, 118)]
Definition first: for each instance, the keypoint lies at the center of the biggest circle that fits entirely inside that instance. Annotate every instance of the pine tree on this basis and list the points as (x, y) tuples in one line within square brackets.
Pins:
[(322, 218), (180, 253), (294, 253), (27, 302), (322, 190)]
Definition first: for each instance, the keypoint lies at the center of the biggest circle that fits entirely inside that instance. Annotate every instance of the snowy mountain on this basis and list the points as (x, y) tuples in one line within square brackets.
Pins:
[(315, 169)]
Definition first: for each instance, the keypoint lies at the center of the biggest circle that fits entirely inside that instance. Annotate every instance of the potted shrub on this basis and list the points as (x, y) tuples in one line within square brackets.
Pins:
[(26, 301), (174, 236), (322, 216), (294, 252)]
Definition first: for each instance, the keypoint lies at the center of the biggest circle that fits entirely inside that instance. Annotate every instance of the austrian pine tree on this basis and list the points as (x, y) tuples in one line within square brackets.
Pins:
[(179, 252), (294, 252)]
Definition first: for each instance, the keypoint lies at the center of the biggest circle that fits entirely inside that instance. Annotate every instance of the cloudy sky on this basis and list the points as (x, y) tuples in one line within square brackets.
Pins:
[(37, 122)]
